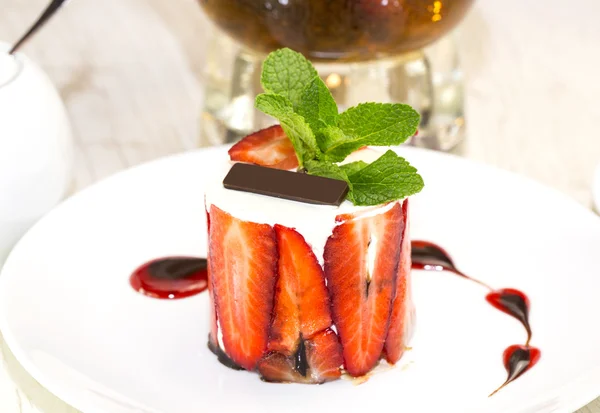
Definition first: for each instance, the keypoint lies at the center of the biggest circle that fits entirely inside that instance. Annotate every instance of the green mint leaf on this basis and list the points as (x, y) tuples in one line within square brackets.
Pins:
[(273, 105), (317, 106), (353, 167), (294, 125), (387, 179), (328, 170), (286, 73), (331, 137), (374, 124)]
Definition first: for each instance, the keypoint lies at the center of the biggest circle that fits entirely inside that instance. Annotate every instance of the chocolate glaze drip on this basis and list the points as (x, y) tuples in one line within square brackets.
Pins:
[(517, 358)]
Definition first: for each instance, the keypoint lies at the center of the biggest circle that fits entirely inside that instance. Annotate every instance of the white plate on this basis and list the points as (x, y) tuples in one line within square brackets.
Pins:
[(596, 190), (72, 320)]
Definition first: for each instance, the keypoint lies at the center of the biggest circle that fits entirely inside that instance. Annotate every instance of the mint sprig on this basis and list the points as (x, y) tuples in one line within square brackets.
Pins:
[(328, 170), (353, 167), (287, 73), (388, 178), (374, 124), (293, 124), (322, 137), (317, 106)]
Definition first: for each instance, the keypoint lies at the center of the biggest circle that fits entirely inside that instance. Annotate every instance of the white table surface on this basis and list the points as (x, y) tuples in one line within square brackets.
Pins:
[(130, 72)]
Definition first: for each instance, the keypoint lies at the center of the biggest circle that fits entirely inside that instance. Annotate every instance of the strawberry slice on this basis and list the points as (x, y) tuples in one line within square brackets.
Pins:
[(276, 367), (324, 354), (268, 147), (243, 268), (213, 336), (316, 361), (361, 259), (400, 320), (303, 347), (301, 298)]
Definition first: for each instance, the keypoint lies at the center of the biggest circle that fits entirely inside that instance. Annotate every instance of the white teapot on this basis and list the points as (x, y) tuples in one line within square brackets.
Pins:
[(35, 147)]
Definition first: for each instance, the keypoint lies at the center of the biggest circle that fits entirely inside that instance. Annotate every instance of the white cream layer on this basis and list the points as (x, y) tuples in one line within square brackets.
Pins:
[(314, 222)]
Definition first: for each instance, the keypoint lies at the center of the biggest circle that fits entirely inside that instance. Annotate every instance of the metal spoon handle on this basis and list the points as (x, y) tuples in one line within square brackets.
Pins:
[(44, 17)]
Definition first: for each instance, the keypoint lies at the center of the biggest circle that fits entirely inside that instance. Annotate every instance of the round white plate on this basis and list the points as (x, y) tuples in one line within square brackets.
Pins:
[(596, 190), (71, 318)]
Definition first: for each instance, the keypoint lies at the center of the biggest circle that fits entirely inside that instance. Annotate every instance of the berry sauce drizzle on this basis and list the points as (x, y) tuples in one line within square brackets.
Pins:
[(171, 277), (179, 277), (517, 358)]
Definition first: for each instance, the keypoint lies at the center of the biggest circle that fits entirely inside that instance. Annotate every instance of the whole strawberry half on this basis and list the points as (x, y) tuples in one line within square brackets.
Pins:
[(243, 270), (303, 348), (361, 260), (268, 147)]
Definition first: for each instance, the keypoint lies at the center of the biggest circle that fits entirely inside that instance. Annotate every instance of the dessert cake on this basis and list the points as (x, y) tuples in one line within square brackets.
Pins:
[(309, 276)]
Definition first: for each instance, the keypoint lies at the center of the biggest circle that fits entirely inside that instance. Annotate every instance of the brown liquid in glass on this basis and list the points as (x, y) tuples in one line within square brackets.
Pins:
[(347, 30)]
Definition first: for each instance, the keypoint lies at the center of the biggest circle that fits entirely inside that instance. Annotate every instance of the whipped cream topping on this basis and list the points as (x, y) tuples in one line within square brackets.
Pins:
[(314, 222)]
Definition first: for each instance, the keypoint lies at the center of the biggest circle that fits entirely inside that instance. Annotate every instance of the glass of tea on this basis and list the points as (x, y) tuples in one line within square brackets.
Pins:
[(365, 50)]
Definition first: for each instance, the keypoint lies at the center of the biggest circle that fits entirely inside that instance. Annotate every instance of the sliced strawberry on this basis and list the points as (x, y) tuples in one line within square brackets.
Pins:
[(324, 355), (303, 347), (268, 147), (301, 298), (361, 259), (279, 368), (316, 361), (213, 336), (243, 268), (400, 319)]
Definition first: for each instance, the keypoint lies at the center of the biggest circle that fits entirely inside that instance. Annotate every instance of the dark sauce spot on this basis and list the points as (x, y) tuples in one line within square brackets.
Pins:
[(514, 303), (171, 277), (428, 256), (517, 358), (300, 360), (176, 268)]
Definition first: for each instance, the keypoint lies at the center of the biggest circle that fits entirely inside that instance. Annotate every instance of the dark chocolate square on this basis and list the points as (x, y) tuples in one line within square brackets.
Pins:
[(295, 186)]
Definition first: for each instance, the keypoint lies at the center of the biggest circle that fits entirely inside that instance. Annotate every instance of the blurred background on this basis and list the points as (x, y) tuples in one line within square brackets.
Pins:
[(131, 74), (142, 79)]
